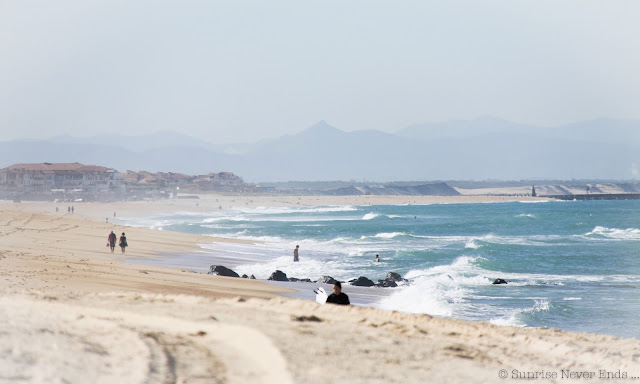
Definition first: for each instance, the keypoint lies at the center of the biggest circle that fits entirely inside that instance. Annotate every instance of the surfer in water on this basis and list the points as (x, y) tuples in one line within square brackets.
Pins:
[(295, 253), (338, 297)]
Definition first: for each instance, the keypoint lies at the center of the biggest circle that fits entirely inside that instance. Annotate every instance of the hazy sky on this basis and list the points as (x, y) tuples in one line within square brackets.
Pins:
[(227, 71)]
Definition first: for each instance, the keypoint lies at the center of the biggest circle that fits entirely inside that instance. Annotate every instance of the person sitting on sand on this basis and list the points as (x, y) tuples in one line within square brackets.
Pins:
[(295, 254), (337, 297), (123, 242), (112, 241)]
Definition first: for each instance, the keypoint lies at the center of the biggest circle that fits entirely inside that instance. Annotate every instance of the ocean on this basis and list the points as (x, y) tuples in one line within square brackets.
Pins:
[(572, 265)]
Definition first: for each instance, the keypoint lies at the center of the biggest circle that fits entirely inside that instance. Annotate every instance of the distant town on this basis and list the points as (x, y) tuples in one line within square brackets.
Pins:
[(80, 182)]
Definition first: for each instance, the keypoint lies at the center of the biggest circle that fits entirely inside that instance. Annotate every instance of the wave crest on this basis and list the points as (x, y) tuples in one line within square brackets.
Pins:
[(614, 233)]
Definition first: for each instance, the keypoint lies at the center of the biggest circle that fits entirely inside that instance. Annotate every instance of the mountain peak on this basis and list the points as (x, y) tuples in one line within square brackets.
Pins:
[(322, 126), (321, 129)]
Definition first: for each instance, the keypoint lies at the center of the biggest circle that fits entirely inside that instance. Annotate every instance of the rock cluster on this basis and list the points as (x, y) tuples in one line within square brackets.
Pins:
[(391, 280)]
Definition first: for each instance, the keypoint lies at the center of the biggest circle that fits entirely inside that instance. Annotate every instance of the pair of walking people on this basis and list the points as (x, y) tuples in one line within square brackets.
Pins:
[(112, 241)]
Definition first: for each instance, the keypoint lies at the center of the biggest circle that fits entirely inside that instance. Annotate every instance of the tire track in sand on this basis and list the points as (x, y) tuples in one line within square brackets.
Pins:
[(45, 341)]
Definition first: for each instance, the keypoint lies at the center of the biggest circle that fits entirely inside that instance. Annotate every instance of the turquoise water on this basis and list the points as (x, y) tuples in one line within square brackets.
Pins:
[(570, 265)]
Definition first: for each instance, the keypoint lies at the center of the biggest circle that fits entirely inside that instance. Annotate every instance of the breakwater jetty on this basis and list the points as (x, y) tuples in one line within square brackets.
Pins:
[(597, 196)]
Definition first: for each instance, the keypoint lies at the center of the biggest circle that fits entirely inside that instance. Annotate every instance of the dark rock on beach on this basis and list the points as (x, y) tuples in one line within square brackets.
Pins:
[(252, 277), (326, 280), (278, 275), (499, 281), (362, 282), (386, 283), (221, 271), (245, 276), (393, 276)]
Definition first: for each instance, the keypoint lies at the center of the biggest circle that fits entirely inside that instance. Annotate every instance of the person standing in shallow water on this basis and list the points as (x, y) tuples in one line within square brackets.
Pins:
[(295, 253), (112, 241), (123, 242)]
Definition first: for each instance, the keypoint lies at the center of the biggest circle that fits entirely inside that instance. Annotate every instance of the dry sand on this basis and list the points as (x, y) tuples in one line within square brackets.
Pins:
[(72, 312)]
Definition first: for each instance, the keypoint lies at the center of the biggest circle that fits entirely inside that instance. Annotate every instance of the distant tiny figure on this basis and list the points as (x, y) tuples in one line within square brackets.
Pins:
[(112, 241), (295, 254), (377, 259), (337, 297), (56, 209), (123, 242), (68, 209), (72, 209), (114, 215), (106, 220)]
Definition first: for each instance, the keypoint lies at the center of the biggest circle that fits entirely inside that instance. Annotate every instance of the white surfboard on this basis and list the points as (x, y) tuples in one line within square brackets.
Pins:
[(321, 295)]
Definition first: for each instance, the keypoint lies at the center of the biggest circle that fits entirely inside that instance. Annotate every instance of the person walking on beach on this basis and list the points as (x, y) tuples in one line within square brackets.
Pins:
[(123, 242), (112, 241), (338, 297), (295, 254)]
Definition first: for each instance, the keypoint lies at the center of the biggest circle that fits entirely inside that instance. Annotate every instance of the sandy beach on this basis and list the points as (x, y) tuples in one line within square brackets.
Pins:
[(72, 312)]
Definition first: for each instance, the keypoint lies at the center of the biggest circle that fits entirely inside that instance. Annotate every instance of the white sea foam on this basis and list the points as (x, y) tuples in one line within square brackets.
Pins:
[(152, 223), (441, 290), (509, 321), (614, 233), (389, 235), (540, 306), (209, 220), (514, 317), (294, 210), (370, 216), (534, 240), (305, 268), (431, 295), (472, 245), (526, 215), (229, 227)]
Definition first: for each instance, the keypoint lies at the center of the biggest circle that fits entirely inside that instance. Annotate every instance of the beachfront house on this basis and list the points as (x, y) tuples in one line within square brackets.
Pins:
[(61, 180), (222, 181)]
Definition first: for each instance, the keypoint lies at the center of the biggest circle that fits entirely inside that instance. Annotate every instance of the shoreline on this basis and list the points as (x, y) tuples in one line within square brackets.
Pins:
[(118, 321)]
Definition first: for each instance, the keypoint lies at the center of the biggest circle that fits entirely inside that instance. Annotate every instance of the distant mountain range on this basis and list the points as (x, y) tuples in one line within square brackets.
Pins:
[(480, 149)]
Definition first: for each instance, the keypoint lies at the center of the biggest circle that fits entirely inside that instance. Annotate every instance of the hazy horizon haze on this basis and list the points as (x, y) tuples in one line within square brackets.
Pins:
[(237, 72)]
